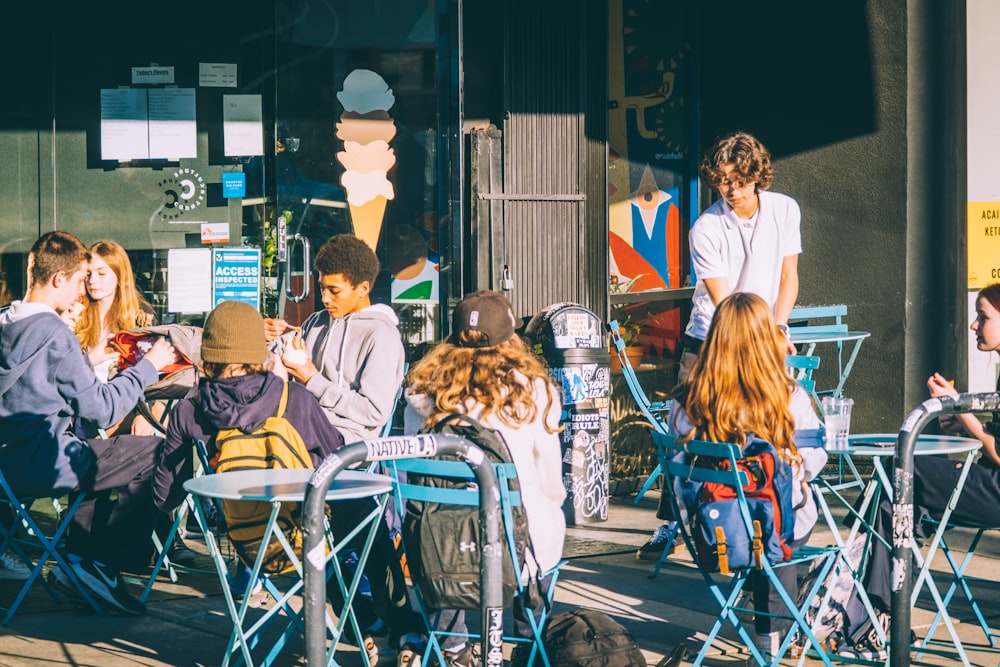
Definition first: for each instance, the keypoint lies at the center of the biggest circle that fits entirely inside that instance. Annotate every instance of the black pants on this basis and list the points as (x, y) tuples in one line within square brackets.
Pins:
[(934, 480), (766, 597), (389, 600), (117, 531)]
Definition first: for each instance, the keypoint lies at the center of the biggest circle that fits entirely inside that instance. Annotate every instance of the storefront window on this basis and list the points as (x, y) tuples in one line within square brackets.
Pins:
[(360, 137)]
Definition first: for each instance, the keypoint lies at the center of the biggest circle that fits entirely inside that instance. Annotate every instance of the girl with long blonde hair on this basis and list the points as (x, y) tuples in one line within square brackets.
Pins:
[(499, 379), (738, 386), (739, 383), (486, 371), (114, 303)]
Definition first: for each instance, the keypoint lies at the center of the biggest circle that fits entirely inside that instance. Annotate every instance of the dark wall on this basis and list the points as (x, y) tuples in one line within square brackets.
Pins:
[(826, 87)]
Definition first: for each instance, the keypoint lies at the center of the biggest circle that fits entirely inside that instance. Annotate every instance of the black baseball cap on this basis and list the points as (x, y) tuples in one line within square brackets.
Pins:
[(488, 312)]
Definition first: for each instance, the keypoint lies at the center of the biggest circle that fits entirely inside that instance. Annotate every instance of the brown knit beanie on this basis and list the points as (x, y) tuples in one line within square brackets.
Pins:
[(234, 334)]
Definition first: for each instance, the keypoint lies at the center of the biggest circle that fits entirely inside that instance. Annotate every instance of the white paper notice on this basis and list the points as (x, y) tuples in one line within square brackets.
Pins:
[(124, 124), (217, 75), (189, 280), (173, 132), (242, 125)]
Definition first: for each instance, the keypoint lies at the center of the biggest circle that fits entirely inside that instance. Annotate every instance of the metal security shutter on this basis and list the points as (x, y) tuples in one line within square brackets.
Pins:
[(547, 224)]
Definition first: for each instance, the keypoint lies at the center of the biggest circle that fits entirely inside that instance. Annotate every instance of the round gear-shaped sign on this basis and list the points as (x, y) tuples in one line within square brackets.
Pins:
[(183, 191)]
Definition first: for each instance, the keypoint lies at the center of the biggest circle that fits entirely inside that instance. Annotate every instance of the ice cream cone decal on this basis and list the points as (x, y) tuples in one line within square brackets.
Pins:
[(366, 129)]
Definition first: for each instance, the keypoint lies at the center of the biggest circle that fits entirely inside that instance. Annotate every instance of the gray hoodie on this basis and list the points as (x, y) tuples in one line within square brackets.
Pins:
[(46, 385), (360, 359)]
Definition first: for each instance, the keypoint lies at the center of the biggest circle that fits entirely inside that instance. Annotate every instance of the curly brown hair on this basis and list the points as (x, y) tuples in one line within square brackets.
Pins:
[(349, 256), (750, 159), (493, 377)]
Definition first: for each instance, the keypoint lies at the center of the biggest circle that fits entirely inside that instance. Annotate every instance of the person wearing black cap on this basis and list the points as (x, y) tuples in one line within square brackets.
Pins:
[(484, 369)]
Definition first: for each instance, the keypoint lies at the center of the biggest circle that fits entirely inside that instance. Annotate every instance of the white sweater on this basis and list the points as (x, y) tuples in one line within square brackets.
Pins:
[(537, 455), (812, 459)]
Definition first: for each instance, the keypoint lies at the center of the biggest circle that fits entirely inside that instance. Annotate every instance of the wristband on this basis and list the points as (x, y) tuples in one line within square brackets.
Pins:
[(784, 330)]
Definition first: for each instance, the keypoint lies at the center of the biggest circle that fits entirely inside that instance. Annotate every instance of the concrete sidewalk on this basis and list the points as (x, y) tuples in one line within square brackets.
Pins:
[(187, 625)]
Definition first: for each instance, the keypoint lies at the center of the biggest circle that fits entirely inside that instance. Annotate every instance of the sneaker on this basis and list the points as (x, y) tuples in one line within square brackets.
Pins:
[(58, 580), (238, 584), (768, 644), (652, 549), (371, 649), (193, 529), (467, 656), (12, 567), (410, 655), (107, 586), (180, 554)]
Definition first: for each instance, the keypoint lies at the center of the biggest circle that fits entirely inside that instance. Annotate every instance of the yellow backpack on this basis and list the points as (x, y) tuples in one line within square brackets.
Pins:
[(276, 444)]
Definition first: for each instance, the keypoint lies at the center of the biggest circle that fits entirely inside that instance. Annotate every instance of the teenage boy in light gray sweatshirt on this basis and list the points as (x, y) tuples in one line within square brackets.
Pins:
[(353, 354)]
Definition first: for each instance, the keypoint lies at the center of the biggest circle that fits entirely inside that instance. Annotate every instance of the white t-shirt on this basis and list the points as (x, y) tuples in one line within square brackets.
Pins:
[(749, 262)]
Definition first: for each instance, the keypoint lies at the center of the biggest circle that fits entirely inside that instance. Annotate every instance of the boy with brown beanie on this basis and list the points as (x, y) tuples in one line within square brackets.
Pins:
[(239, 392)]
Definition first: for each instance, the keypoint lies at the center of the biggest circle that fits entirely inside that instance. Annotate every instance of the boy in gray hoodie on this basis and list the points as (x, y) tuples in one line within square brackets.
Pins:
[(350, 355), (46, 387)]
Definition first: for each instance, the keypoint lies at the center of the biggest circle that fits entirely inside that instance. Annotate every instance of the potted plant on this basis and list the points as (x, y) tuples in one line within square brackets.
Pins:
[(629, 324)]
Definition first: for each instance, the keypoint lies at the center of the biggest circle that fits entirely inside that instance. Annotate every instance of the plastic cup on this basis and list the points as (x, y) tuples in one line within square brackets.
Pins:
[(837, 417)]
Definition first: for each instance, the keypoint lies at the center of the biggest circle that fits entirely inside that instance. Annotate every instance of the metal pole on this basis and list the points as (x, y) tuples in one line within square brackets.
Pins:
[(385, 449), (902, 509)]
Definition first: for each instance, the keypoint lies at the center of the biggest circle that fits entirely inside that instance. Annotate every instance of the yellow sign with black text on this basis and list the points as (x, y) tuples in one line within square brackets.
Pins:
[(983, 243)]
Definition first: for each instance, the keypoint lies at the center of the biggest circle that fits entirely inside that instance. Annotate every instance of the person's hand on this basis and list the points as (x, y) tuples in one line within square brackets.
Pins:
[(71, 316), (275, 327), (142, 427), (790, 347), (101, 354), (162, 354), (938, 386), (274, 365), (296, 359)]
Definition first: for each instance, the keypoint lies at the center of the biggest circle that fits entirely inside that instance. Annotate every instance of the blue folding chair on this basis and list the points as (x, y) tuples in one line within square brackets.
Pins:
[(802, 367), (960, 581), (655, 412), (710, 462), (25, 531), (807, 333), (459, 470)]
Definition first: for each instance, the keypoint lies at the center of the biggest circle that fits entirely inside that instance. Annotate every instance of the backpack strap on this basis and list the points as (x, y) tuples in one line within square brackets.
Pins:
[(283, 402)]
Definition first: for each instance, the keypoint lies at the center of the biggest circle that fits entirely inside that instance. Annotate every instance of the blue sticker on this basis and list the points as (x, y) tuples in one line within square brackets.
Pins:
[(234, 184)]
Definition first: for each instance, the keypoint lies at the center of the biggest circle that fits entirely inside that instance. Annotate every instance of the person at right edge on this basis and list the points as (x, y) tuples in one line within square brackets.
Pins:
[(747, 241), (934, 480)]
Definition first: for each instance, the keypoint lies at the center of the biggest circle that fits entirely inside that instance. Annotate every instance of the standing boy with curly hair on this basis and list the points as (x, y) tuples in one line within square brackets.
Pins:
[(747, 241)]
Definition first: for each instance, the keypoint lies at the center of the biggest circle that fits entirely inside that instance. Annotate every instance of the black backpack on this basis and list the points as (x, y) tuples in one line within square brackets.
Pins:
[(587, 638), (442, 541)]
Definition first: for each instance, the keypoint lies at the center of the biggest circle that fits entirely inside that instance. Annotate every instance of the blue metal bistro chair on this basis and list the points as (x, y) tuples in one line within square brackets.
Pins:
[(709, 462), (407, 490)]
